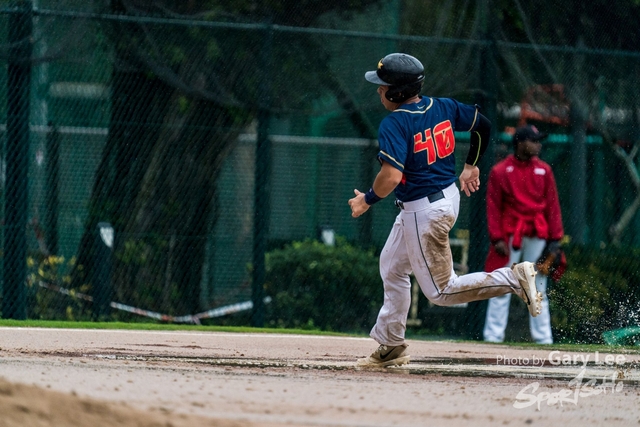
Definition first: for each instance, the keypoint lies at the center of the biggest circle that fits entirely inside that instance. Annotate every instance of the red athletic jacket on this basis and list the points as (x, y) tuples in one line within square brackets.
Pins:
[(522, 200)]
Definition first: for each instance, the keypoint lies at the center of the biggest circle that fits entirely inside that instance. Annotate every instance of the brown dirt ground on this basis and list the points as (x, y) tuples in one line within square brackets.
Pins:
[(101, 378)]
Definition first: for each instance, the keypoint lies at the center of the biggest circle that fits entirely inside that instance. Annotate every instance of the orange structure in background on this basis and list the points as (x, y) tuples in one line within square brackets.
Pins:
[(545, 103)]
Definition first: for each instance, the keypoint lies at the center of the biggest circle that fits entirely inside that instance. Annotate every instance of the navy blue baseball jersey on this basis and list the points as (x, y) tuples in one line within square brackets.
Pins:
[(418, 139)]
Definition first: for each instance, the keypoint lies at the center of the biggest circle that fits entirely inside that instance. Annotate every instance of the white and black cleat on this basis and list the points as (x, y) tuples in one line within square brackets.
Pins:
[(525, 272)]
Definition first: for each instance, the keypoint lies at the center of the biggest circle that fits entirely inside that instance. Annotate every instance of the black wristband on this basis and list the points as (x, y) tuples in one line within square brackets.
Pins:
[(370, 197)]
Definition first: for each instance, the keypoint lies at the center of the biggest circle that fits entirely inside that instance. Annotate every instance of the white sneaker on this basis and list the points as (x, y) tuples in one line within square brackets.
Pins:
[(526, 275)]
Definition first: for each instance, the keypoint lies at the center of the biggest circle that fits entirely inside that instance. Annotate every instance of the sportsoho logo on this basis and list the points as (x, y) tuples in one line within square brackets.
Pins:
[(578, 388), (529, 395)]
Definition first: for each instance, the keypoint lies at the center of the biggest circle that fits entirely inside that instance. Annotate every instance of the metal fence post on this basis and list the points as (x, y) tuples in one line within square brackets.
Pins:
[(262, 191), (576, 226), (53, 189), (17, 158), (478, 232), (102, 267)]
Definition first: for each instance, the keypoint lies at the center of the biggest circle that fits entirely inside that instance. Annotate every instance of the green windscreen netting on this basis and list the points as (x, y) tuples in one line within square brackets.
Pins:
[(154, 152)]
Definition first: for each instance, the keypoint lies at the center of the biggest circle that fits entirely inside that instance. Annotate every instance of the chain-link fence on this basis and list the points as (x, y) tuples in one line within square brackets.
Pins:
[(155, 154)]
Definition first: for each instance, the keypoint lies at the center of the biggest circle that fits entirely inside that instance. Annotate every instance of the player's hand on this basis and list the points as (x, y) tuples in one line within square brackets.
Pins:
[(470, 179), (358, 205), (501, 248)]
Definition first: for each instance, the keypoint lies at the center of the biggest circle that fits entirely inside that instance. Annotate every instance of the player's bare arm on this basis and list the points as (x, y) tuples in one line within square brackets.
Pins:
[(386, 181), (469, 179)]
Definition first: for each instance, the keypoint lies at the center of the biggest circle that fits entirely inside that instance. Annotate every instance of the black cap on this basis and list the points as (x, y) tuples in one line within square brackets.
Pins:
[(528, 132)]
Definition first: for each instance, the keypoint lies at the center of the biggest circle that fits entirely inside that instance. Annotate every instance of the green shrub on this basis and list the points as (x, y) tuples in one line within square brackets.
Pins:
[(600, 291), (45, 273), (339, 288), (315, 286)]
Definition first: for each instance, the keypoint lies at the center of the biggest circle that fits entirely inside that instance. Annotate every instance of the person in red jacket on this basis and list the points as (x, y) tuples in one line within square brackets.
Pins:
[(523, 216)]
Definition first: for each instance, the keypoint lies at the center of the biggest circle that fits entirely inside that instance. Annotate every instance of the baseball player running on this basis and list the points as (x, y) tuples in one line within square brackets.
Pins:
[(417, 160)]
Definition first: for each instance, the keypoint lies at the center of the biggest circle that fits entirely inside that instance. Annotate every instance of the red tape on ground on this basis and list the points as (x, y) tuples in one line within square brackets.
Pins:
[(190, 318)]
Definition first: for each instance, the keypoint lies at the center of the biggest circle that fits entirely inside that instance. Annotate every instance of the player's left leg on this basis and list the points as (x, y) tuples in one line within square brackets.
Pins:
[(391, 323)]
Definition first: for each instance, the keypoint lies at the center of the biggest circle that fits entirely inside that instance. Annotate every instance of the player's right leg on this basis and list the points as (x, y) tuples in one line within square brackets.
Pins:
[(426, 233)]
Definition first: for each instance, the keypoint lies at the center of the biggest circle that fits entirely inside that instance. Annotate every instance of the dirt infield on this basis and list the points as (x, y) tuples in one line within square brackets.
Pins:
[(54, 377)]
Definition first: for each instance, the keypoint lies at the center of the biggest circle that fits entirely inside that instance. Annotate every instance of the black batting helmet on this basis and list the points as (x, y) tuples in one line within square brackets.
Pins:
[(403, 73)]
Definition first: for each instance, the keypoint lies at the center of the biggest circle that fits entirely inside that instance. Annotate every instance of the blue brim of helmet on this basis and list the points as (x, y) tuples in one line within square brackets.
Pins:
[(372, 77)]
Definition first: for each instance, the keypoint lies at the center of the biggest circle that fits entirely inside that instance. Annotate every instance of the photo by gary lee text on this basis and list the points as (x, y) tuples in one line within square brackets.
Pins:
[(557, 358)]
